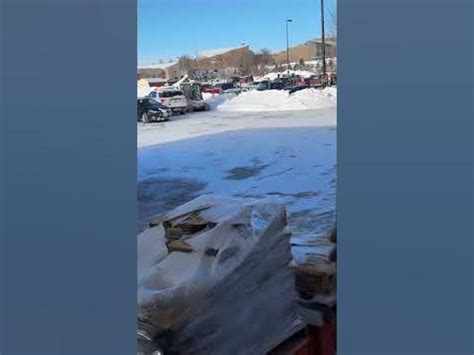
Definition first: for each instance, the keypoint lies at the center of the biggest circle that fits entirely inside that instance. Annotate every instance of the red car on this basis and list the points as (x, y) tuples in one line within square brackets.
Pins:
[(318, 81), (211, 89)]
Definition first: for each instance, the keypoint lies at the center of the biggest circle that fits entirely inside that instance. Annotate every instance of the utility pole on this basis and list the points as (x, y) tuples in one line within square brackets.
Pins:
[(288, 47), (322, 37)]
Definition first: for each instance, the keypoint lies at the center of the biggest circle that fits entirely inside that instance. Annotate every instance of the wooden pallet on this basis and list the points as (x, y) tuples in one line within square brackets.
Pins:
[(311, 340)]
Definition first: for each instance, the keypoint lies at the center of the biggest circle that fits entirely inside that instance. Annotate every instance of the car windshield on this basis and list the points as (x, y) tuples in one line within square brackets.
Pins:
[(154, 102), (227, 86), (166, 94)]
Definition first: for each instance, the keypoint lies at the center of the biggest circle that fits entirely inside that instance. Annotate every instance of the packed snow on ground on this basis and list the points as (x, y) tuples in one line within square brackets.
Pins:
[(281, 100), (203, 123), (286, 155), (295, 165)]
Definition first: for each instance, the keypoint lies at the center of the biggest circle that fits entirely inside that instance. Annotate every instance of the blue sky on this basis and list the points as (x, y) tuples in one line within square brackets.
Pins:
[(170, 28)]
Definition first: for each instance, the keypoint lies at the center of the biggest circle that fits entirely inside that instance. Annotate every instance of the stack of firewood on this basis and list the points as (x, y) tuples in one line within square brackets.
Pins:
[(214, 278)]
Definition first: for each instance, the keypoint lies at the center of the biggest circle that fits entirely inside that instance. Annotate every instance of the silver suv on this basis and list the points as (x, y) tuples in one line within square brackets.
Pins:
[(172, 98)]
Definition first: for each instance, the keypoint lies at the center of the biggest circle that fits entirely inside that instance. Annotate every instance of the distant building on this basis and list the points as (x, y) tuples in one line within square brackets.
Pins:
[(308, 51), (156, 73), (217, 63), (225, 63), (157, 82)]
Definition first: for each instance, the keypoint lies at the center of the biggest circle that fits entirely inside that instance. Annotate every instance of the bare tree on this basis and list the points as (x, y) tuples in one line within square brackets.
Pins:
[(263, 58), (302, 63), (185, 64), (266, 56), (248, 62)]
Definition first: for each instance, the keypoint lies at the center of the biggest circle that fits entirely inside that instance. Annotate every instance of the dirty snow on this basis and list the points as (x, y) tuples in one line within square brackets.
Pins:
[(281, 100)]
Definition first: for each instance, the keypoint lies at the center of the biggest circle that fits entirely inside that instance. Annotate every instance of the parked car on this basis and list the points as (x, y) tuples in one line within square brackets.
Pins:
[(263, 85), (271, 85), (211, 89), (232, 91), (246, 79), (293, 89), (250, 86), (171, 98), (150, 110), (318, 81), (227, 87)]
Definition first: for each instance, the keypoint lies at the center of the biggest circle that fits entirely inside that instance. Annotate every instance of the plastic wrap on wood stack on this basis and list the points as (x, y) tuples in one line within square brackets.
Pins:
[(214, 278), (315, 259)]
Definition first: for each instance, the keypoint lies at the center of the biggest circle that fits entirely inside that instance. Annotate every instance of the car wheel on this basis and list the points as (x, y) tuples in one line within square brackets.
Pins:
[(145, 118)]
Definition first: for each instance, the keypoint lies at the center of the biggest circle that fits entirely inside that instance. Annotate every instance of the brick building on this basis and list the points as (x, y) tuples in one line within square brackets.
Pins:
[(308, 51), (217, 63), (225, 63), (153, 72)]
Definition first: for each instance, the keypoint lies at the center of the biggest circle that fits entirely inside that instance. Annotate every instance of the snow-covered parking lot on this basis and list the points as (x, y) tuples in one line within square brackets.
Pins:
[(288, 155)]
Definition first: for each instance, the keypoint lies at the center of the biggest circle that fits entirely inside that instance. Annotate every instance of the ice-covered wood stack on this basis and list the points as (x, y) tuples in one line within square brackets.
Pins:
[(315, 259), (214, 277)]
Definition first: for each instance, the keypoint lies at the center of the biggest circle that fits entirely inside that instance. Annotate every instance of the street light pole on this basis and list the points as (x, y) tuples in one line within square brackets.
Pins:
[(287, 47), (322, 37)]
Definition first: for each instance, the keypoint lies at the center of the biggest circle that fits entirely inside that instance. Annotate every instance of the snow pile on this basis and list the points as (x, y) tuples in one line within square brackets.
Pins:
[(331, 92), (302, 73), (214, 100), (258, 79), (269, 100), (143, 88), (214, 274), (281, 100), (314, 98)]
